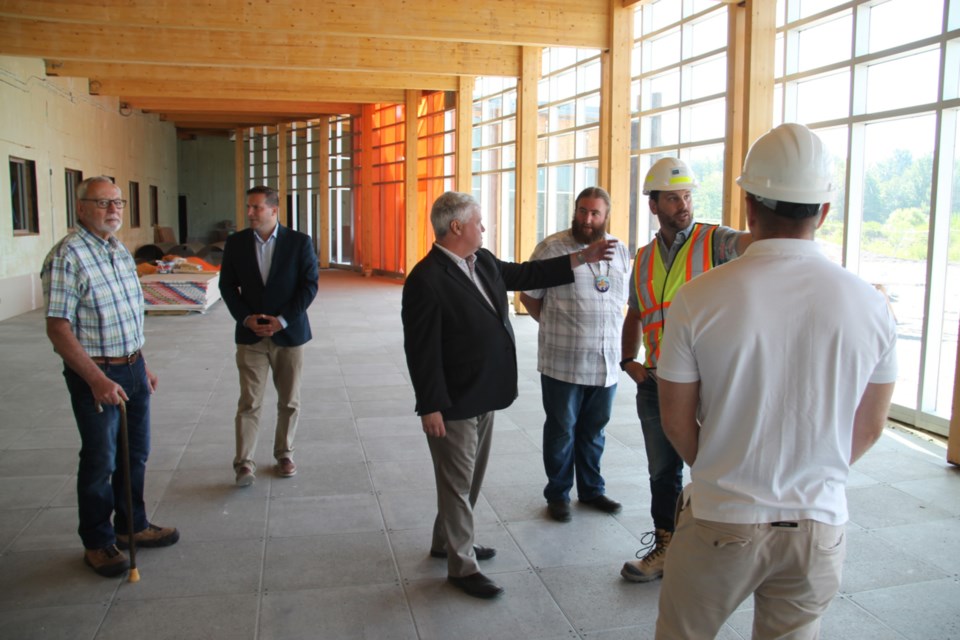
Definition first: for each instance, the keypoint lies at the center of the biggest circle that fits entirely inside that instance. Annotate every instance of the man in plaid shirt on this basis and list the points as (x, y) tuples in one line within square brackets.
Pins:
[(95, 322), (579, 354)]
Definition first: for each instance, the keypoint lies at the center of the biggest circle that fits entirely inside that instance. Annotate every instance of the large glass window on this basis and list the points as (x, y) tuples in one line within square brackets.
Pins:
[(679, 86), (494, 160), (341, 189), (866, 76), (436, 158), (568, 146)]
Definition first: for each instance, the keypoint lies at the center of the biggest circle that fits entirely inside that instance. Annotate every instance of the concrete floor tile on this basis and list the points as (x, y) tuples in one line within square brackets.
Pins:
[(51, 577), (21, 492), (880, 506), (525, 611), (324, 514), (595, 598), (919, 611), (217, 567), (935, 544), (327, 561), (337, 612), (76, 622), (196, 618), (879, 558)]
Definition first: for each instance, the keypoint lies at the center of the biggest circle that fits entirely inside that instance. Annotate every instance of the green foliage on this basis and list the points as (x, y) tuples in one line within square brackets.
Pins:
[(903, 235), (896, 182)]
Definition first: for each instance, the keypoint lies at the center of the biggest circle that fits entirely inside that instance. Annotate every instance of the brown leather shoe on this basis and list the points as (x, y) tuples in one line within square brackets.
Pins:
[(152, 536), (245, 476), (286, 468), (108, 562)]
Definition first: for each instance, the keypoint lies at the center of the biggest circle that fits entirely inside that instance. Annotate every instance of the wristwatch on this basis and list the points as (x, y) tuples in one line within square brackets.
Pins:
[(581, 258), (623, 363)]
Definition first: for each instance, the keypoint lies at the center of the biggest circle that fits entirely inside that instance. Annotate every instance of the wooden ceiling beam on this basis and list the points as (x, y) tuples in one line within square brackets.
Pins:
[(239, 91), (271, 50), (216, 105), (578, 23), (251, 76)]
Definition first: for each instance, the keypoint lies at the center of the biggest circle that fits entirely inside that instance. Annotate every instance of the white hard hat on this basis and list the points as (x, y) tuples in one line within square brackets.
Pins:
[(788, 164), (668, 174)]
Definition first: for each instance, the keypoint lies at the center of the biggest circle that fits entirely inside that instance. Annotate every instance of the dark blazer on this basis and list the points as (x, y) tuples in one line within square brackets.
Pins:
[(461, 352), (291, 284)]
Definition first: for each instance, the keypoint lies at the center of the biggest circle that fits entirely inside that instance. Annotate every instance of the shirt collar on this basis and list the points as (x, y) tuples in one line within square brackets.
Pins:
[(679, 239), (784, 246), (450, 254), (272, 236), (91, 238)]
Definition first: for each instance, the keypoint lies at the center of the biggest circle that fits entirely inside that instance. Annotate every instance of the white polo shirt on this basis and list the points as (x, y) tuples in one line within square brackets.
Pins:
[(783, 342)]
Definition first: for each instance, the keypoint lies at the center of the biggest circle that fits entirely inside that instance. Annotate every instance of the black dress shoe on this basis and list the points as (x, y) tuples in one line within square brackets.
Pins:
[(482, 553), (603, 503), (476, 585), (559, 511)]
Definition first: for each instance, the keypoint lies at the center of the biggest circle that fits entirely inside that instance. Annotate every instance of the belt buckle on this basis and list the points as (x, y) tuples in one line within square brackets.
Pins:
[(132, 357)]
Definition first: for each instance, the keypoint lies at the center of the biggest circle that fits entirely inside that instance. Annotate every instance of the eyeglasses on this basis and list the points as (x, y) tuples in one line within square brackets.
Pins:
[(103, 203)]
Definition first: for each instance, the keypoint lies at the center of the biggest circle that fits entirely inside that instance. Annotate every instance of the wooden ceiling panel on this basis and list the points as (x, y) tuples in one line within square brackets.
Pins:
[(268, 79), (246, 107), (68, 41), (226, 63), (579, 23)]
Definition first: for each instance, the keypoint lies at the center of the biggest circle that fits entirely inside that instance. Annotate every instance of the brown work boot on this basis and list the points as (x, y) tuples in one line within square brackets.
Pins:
[(108, 562), (152, 536), (649, 566)]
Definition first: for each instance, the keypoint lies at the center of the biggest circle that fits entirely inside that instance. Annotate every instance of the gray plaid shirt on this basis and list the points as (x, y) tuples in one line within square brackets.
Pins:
[(580, 326)]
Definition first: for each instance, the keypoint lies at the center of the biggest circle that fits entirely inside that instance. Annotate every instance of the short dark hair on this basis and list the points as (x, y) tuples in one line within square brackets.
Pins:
[(790, 210), (655, 196), (272, 195)]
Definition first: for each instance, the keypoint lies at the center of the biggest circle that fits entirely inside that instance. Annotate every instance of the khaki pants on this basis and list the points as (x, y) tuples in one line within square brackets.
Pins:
[(459, 463), (711, 567), (254, 362)]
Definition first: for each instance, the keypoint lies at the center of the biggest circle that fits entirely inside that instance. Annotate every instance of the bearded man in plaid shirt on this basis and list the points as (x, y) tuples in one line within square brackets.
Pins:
[(578, 357)]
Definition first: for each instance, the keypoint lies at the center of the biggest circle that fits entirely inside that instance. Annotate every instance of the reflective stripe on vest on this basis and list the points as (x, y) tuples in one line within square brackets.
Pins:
[(656, 287)]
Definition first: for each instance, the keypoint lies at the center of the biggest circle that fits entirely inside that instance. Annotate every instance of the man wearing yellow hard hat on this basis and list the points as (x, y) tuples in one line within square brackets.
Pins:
[(681, 250)]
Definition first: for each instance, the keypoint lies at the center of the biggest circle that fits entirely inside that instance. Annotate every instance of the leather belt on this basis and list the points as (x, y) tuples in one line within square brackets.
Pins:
[(130, 359)]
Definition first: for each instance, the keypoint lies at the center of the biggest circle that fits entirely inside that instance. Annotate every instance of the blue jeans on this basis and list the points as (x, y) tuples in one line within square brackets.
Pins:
[(101, 490), (573, 437), (663, 462)]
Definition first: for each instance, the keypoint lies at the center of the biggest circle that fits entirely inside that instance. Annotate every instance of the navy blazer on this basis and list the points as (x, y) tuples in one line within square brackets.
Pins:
[(461, 352), (291, 284)]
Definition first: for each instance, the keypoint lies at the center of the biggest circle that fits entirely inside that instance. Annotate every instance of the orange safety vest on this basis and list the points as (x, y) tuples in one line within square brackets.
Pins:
[(656, 287)]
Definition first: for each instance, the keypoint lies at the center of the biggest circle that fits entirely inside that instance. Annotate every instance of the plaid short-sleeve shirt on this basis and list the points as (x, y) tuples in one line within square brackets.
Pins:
[(579, 337), (93, 283)]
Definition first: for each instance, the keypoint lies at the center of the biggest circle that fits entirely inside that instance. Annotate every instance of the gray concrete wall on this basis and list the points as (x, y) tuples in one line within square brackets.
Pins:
[(206, 178)]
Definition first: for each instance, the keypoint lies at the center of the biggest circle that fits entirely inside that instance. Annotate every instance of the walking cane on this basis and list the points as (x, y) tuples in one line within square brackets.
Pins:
[(125, 453)]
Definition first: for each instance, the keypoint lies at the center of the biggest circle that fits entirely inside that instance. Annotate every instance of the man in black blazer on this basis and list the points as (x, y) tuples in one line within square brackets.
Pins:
[(462, 358), (268, 278)]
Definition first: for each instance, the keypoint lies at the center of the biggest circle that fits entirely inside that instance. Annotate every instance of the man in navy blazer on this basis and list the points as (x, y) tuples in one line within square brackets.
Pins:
[(268, 278), (462, 358)]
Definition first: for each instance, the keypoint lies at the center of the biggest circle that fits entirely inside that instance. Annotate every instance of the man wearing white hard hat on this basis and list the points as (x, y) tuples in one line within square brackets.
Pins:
[(682, 250), (776, 373)]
